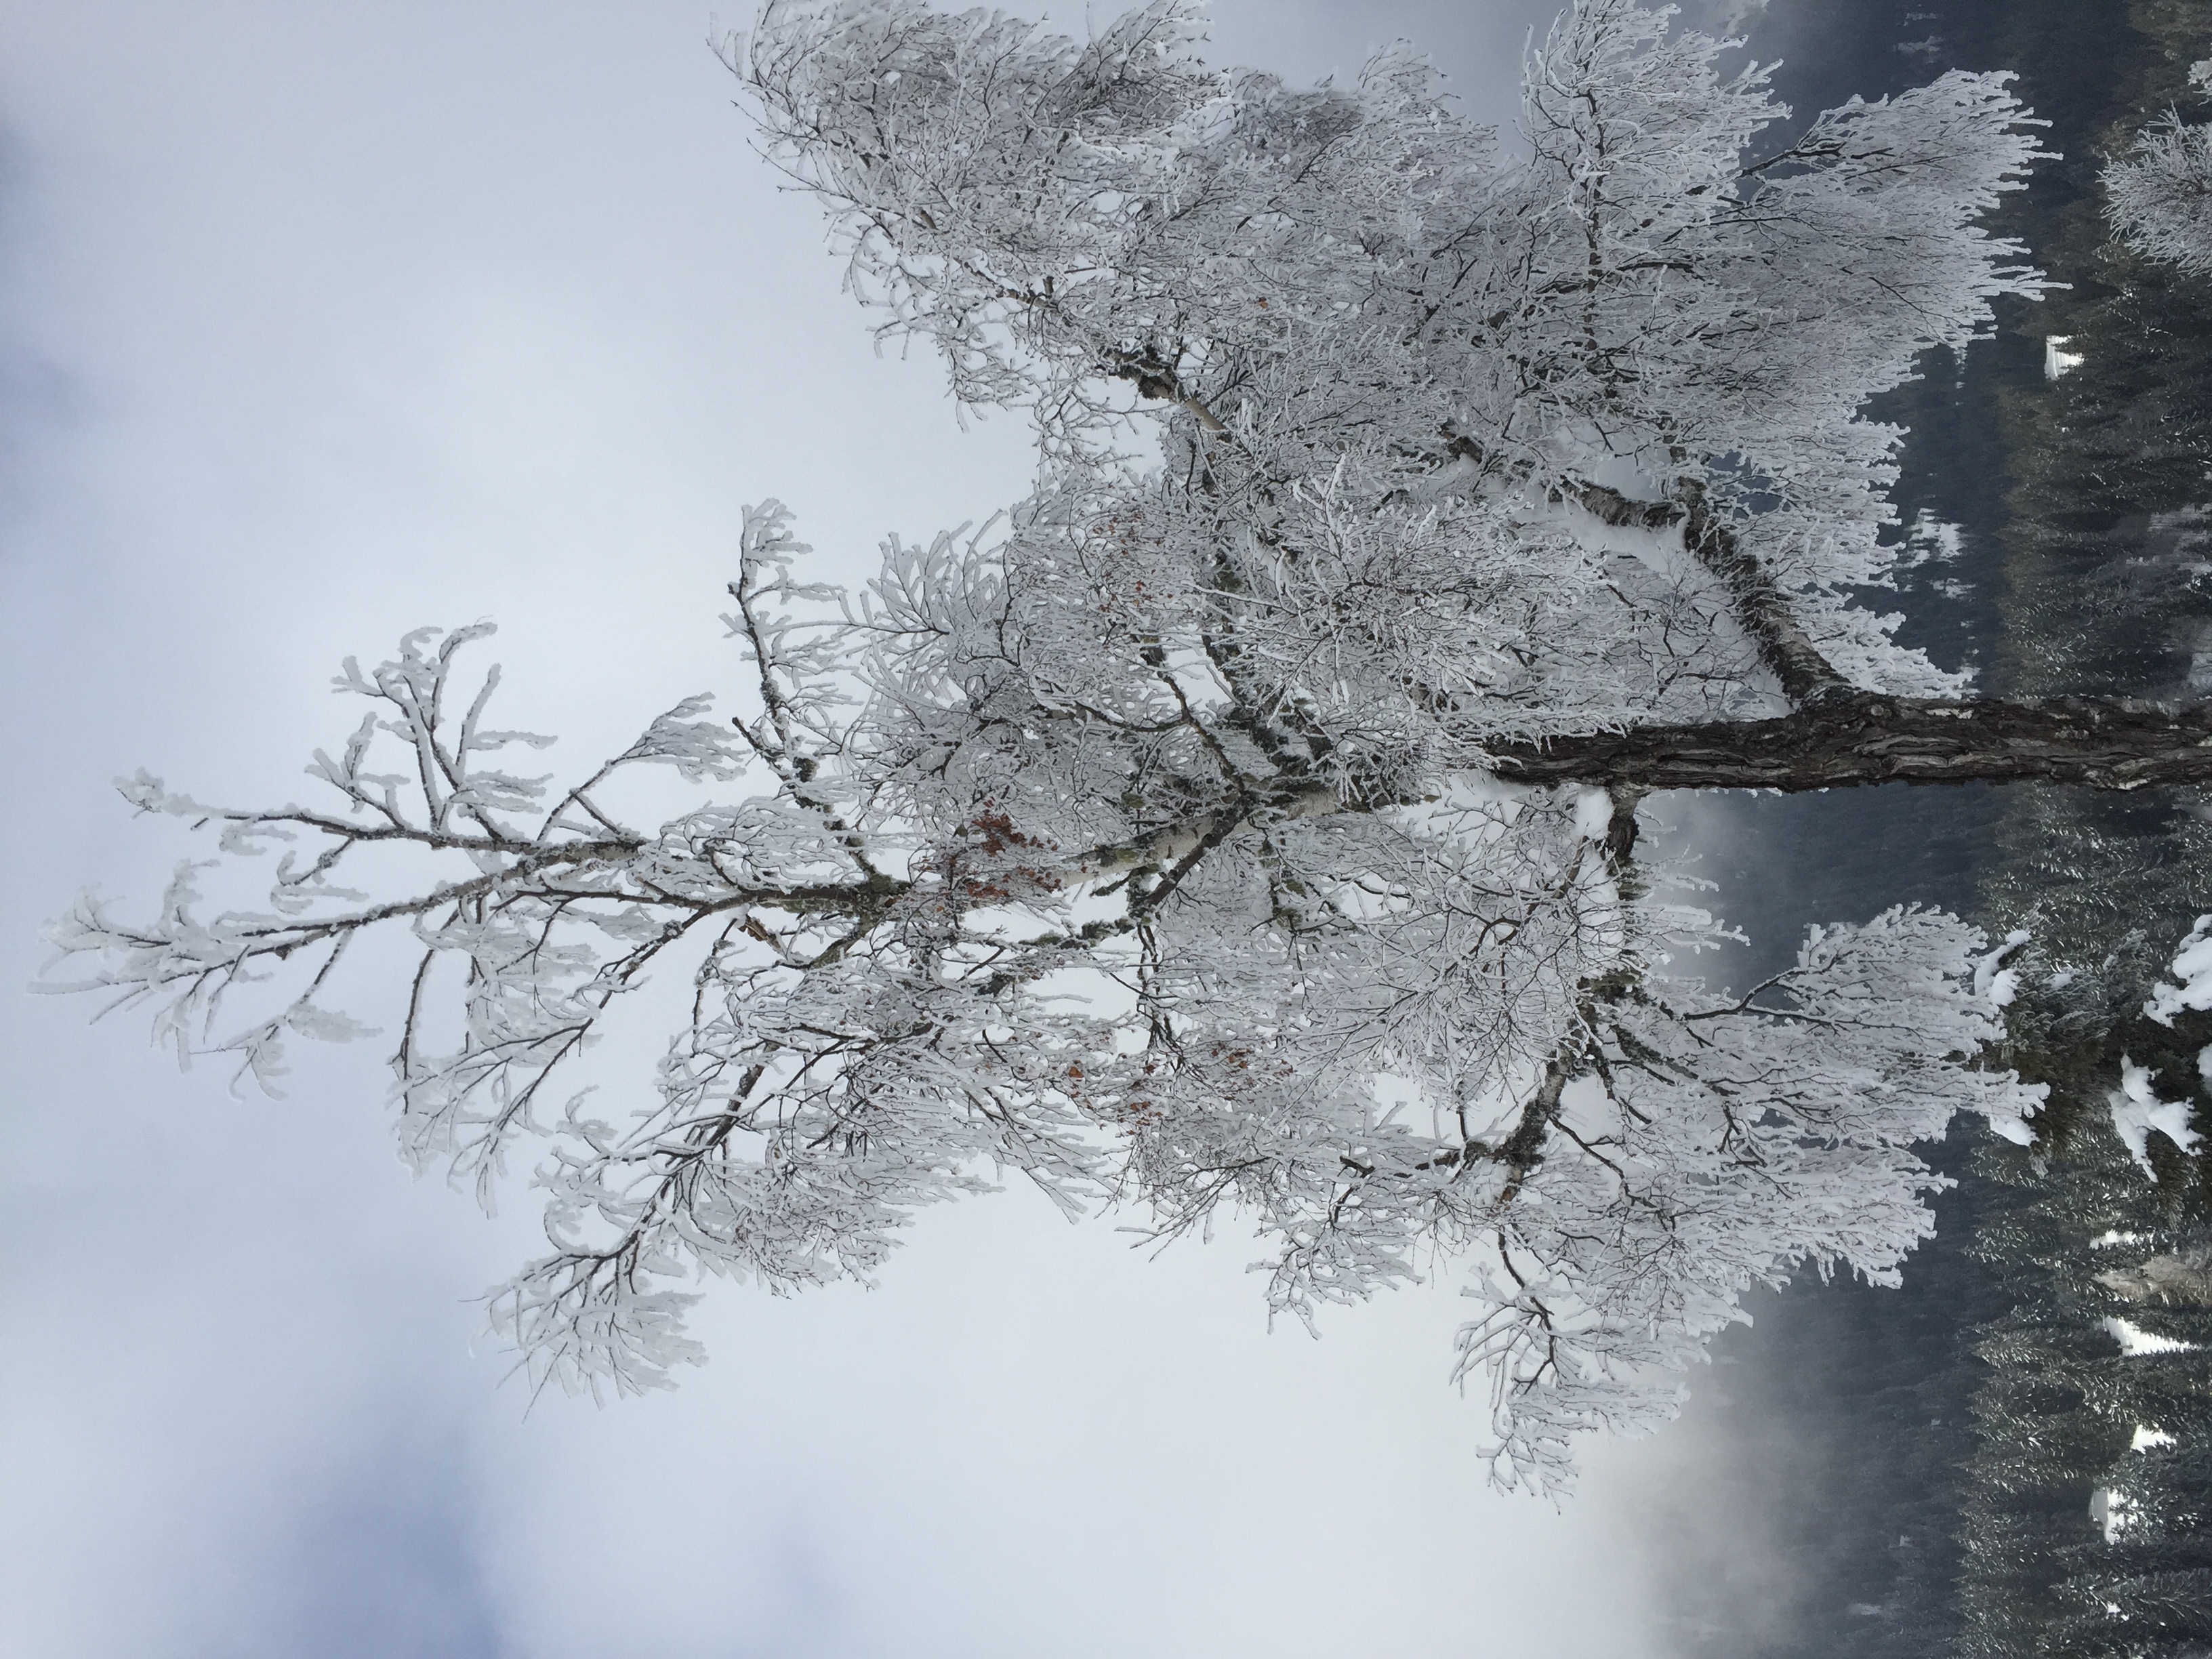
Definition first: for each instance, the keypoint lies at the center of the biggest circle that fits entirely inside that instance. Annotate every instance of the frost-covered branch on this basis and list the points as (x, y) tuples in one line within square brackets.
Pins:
[(2159, 194)]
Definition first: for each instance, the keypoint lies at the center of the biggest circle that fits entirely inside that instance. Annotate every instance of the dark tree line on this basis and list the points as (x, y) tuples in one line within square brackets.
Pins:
[(1946, 1442)]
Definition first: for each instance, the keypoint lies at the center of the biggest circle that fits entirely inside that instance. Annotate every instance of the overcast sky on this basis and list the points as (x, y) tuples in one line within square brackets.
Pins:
[(321, 322)]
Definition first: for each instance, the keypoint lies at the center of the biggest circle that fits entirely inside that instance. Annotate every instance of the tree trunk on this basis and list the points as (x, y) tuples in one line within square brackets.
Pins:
[(1871, 738)]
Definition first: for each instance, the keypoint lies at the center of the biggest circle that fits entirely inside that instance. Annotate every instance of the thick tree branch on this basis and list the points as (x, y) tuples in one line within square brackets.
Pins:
[(1762, 608), (2107, 743)]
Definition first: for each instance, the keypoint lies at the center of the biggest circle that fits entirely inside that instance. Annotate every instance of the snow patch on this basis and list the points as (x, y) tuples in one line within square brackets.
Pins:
[(2133, 1339), (2192, 966), (2110, 1511), (1992, 979), (2136, 1110), (1932, 540)]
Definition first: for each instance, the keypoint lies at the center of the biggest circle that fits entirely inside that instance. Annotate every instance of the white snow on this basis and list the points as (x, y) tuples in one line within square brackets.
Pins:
[(2146, 1438), (1931, 539), (2057, 360), (2192, 966), (1998, 986), (2133, 1339), (2110, 1511), (2136, 1110)]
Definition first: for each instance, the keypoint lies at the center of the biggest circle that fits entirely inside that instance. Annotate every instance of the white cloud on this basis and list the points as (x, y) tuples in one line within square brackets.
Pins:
[(333, 321)]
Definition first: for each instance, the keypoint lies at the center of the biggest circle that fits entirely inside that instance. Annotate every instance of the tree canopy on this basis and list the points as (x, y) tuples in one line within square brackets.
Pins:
[(1246, 818), (2160, 192)]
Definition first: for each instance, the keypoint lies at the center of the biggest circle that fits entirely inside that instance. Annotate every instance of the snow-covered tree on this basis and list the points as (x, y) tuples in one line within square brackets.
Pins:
[(1246, 820), (2158, 195)]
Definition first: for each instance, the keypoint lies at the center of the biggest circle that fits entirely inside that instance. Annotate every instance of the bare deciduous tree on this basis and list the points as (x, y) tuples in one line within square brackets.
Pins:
[(1246, 820)]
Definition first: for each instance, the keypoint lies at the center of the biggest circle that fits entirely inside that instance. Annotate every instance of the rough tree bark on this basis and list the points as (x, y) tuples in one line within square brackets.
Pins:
[(1862, 737)]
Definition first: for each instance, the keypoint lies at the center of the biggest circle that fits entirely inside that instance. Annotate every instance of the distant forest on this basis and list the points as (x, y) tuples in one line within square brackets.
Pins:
[(2012, 1455)]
